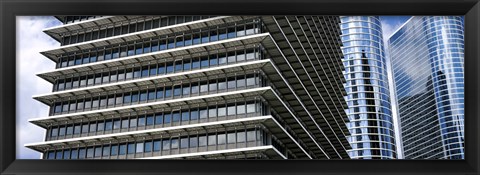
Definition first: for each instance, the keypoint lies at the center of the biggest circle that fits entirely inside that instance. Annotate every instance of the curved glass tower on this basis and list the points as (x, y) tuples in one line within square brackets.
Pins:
[(427, 55), (371, 123)]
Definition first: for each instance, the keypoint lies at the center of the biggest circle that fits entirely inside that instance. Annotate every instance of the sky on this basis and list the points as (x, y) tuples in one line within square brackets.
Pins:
[(31, 40)]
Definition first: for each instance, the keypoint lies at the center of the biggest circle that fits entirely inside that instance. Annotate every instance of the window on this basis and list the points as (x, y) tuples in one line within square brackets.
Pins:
[(202, 141), (98, 151), (144, 72), (193, 142), (203, 87), (133, 122), (85, 128), (195, 63), (250, 136), (125, 123), (184, 143), (240, 109), (122, 149), (169, 67), (221, 139), (141, 121), (185, 115), (186, 90), (156, 145), (177, 90), (77, 129), (108, 125), (251, 108), (212, 140), (131, 148), (149, 120), (74, 154), (61, 131), (134, 97), (148, 146), (69, 130), (167, 118), (90, 152), (159, 93), (93, 127), (241, 137), (143, 96), (106, 151), (174, 143), (116, 124), (54, 132), (82, 153), (178, 66), (231, 83), (231, 138), (165, 144), (212, 112), (231, 110), (212, 85), (203, 113), (66, 154), (176, 116), (139, 148), (204, 62), (222, 111), (193, 115), (114, 150), (159, 119), (100, 126)]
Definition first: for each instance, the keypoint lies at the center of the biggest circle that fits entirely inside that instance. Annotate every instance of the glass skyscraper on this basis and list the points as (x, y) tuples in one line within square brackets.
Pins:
[(195, 87), (368, 95), (427, 55)]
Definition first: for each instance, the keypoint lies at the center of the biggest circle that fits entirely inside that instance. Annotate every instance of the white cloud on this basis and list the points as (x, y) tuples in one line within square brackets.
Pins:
[(30, 41)]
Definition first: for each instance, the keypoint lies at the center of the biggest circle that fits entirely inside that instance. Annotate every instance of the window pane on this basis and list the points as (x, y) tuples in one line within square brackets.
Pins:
[(174, 143), (240, 109), (148, 146), (231, 137), (131, 148), (212, 140), (90, 152), (193, 115), (193, 142), (231, 110), (165, 144), (141, 121), (203, 113), (106, 151), (212, 113), (139, 148), (159, 119), (122, 149), (202, 141), (241, 137), (114, 150), (185, 115), (221, 139), (250, 136), (184, 143), (98, 151), (156, 145)]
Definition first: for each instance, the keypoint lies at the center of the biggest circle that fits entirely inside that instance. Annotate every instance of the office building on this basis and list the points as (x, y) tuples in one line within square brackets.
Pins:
[(427, 55), (368, 96), (195, 87)]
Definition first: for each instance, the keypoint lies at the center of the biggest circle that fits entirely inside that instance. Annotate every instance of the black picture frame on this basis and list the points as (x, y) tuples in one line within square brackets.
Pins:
[(9, 9)]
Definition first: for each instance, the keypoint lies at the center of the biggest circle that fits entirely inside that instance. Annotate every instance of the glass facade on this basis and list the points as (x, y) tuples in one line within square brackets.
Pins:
[(427, 56), (371, 123), (194, 87)]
